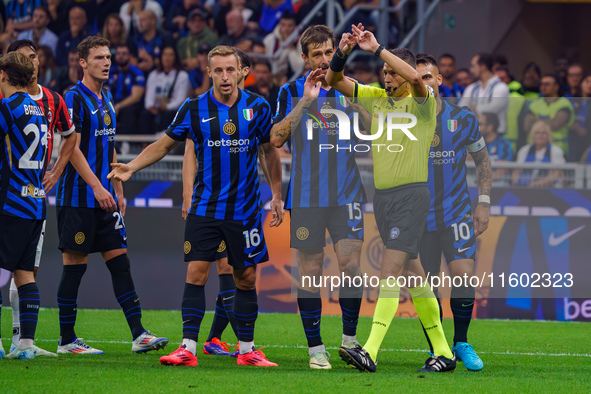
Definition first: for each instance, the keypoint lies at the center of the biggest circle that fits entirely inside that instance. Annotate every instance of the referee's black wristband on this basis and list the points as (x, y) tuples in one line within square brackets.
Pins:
[(337, 64), (379, 50)]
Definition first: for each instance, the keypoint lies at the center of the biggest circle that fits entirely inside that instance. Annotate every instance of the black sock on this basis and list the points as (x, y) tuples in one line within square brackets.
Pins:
[(224, 305), (193, 308), (462, 305), (246, 310), (350, 302), (28, 303), (220, 320), (0, 315), (125, 292), (67, 295), (310, 305), (440, 319)]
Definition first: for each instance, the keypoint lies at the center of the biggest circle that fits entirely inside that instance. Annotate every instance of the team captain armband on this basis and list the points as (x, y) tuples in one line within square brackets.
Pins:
[(477, 146)]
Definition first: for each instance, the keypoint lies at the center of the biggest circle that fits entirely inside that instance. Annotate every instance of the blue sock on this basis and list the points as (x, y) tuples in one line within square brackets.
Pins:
[(192, 309), (220, 320), (350, 302), (125, 292), (67, 295), (246, 310), (29, 302), (310, 305)]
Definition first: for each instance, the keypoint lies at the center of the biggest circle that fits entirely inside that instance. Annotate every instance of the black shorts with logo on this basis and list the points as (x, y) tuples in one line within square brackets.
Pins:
[(456, 242), (401, 214), (243, 239), (19, 238), (90, 230), (308, 225)]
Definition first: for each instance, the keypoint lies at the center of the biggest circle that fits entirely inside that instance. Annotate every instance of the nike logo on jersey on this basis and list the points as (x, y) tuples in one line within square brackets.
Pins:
[(207, 120), (250, 255), (462, 250), (95, 111), (356, 229), (555, 241)]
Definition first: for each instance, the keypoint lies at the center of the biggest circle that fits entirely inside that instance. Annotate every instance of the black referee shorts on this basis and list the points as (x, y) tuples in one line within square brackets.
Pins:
[(401, 214)]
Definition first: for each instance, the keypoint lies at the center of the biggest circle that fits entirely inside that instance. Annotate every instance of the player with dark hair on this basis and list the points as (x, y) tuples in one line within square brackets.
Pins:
[(58, 119), (227, 125), (23, 142), (325, 192), (452, 228), (401, 202), (90, 208)]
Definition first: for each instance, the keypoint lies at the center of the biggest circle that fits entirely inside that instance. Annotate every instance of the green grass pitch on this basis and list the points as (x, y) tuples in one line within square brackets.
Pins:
[(518, 356)]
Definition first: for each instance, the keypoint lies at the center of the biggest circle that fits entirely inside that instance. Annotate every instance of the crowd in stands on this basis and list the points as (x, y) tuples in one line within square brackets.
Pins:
[(160, 48)]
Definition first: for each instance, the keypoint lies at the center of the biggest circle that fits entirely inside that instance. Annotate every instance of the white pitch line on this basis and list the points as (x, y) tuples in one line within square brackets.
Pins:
[(507, 353)]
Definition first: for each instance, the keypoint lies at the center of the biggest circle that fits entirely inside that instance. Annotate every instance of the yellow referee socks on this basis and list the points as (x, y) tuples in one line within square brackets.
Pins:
[(382, 317), (428, 311)]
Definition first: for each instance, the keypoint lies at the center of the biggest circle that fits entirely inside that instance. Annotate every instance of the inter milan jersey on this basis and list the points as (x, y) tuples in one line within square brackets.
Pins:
[(55, 111), (457, 133), (500, 149), (94, 120), (320, 178), (226, 145), (22, 12), (122, 81), (23, 141)]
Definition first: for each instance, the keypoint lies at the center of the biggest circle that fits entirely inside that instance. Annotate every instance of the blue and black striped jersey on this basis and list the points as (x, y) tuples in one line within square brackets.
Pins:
[(23, 146), (456, 134), (21, 12), (226, 145), (320, 177), (122, 81), (500, 149), (94, 120)]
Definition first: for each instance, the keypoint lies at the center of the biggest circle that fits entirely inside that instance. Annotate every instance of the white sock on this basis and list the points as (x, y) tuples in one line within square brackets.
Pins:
[(16, 324), (246, 347), (349, 338), (314, 349), (25, 343), (191, 345)]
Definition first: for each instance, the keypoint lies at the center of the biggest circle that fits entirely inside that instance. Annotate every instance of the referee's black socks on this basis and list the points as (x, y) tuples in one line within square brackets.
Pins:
[(125, 293), (67, 295)]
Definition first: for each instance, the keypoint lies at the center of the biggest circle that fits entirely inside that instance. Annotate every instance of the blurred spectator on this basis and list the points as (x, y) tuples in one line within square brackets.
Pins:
[(19, 17), (531, 80), (148, 44), (574, 76), (541, 150), (499, 61), (114, 31), (73, 36), (557, 110), (127, 85), (58, 11), (488, 93), (104, 9), (499, 149), (463, 79), (199, 34), (364, 73), (561, 69), (47, 67), (176, 16), (237, 32), (447, 68), (259, 47), (271, 12), (130, 14), (200, 81), (69, 75), (40, 34), (223, 7), (304, 9), (580, 130), (290, 60), (264, 84), (166, 89)]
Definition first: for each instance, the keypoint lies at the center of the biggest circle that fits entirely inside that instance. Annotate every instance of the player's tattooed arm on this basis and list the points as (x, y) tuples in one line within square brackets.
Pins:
[(281, 131), (484, 181)]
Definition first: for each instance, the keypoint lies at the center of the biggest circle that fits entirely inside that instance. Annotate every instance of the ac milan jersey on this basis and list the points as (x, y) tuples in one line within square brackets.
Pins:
[(23, 140)]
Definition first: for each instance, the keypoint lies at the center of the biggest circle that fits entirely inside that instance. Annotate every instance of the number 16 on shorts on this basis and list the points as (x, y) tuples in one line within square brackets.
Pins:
[(255, 248)]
